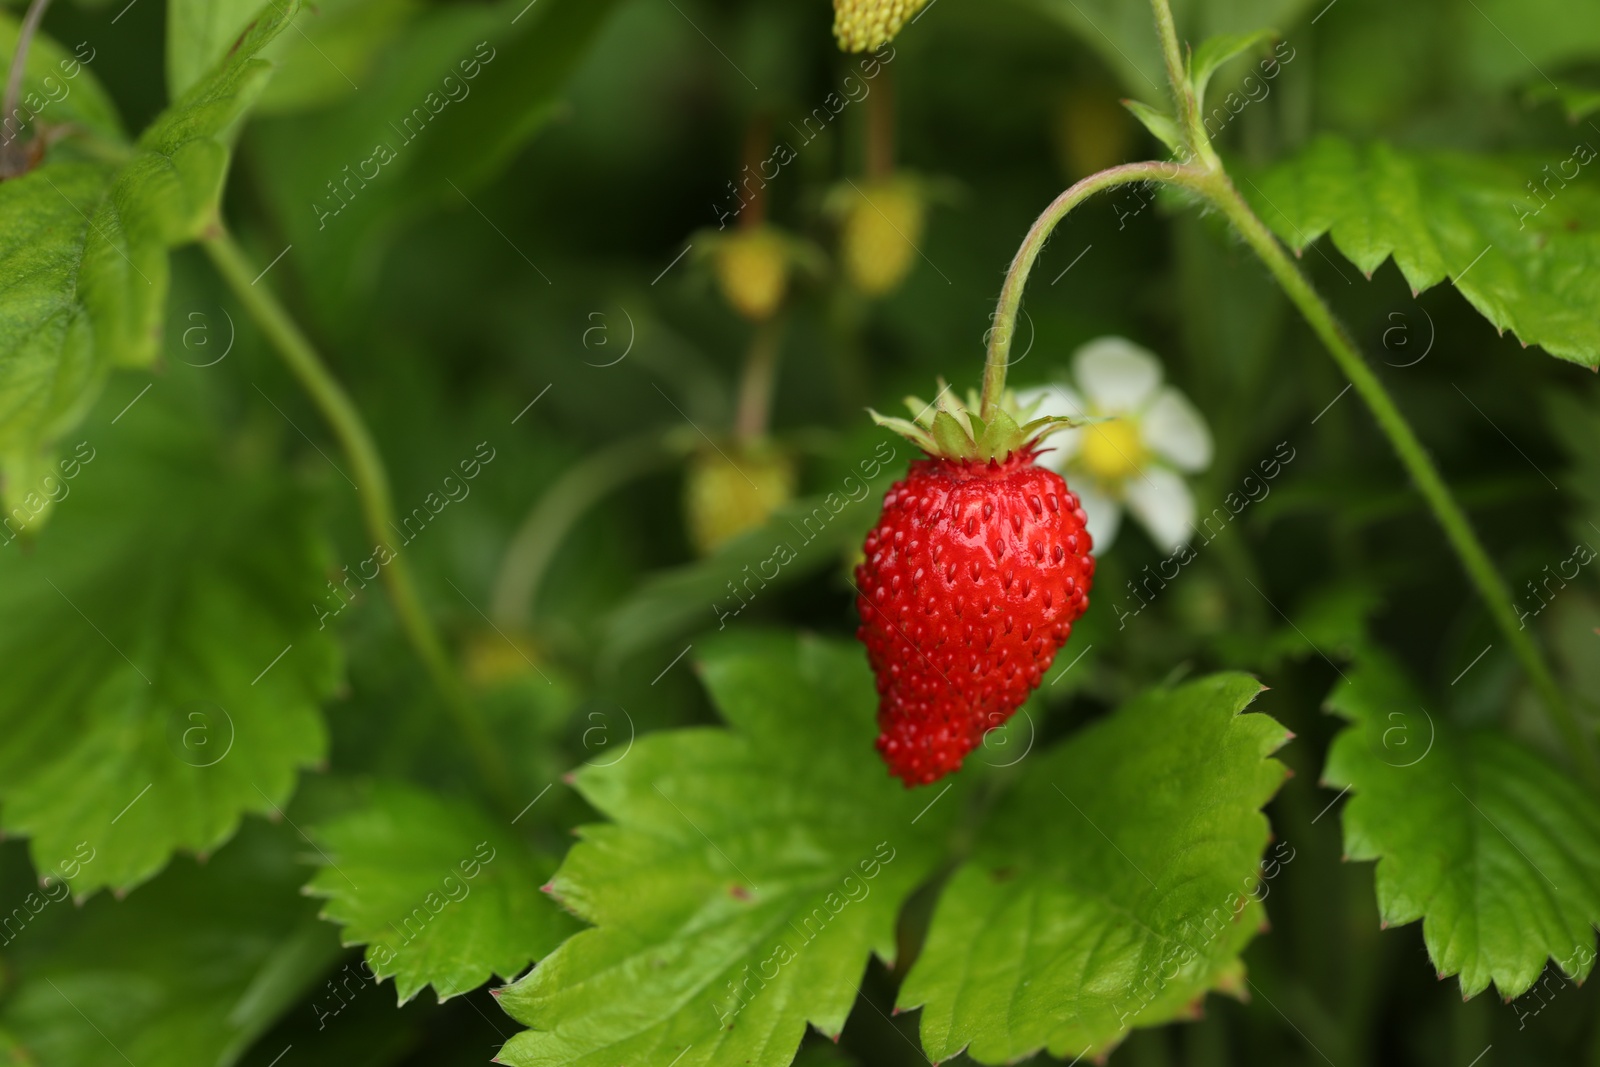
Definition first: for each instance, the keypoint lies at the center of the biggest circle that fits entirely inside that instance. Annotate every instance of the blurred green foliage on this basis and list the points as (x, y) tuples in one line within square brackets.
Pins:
[(481, 215)]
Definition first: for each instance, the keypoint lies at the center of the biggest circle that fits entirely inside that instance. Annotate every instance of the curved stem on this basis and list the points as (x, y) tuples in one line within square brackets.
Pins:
[(998, 357), (534, 545), (372, 483), (1222, 193), (755, 388)]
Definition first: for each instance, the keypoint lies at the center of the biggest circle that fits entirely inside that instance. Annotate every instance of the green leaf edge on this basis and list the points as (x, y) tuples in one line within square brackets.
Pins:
[(1270, 737), (1335, 706)]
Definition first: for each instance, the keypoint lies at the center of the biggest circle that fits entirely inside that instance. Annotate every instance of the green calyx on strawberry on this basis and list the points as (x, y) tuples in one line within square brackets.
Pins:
[(971, 581), (952, 429)]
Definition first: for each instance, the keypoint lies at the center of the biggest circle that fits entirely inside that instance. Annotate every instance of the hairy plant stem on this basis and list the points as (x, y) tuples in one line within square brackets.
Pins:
[(372, 491), (1182, 92), (1202, 172), (998, 356)]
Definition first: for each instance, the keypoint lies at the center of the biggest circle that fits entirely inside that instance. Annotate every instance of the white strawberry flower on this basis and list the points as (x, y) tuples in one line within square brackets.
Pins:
[(1136, 458)]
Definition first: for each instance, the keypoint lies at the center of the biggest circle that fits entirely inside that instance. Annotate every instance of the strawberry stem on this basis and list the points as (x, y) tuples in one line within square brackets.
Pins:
[(998, 357)]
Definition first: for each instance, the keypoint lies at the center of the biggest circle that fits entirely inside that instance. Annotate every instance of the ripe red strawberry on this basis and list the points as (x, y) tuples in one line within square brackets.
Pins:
[(973, 577)]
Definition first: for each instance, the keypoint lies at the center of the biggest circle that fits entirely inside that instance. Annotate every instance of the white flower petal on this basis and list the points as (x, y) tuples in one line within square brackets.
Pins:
[(1103, 512), (1174, 430), (1162, 503), (1051, 400), (1057, 450), (1117, 375)]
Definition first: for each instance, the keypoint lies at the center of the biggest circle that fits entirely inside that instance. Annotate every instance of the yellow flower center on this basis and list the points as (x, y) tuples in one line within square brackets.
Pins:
[(1112, 451)]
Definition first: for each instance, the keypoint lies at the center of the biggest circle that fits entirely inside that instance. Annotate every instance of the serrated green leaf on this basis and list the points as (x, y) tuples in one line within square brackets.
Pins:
[(1529, 264), (83, 249), (1113, 886), (1492, 847), (51, 361), (746, 875), (1157, 122), (1215, 51), (188, 971), (438, 892), (164, 660)]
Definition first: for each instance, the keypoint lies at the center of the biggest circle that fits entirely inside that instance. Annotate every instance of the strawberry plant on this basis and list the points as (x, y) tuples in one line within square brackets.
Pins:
[(462, 602)]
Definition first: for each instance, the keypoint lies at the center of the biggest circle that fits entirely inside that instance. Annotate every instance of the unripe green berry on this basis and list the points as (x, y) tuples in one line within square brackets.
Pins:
[(878, 241), (752, 267), (728, 492), (863, 25)]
